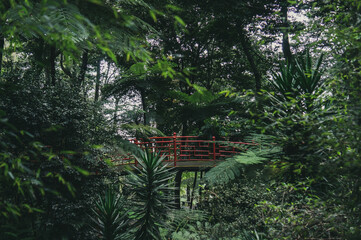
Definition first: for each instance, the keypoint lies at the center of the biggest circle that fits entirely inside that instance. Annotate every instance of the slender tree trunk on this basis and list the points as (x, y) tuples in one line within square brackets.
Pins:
[(83, 68), (178, 182), (246, 46), (194, 187), (97, 81), (185, 127), (5, 7), (115, 116), (2, 43), (39, 62), (107, 74), (52, 64), (188, 193), (285, 29), (200, 189), (144, 106)]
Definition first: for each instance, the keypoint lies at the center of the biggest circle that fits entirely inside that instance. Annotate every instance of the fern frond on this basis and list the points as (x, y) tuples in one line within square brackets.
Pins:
[(196, 98), (180, 218), (233, 167), (141, 130), (55, 23), (66, 21), (141, 3)]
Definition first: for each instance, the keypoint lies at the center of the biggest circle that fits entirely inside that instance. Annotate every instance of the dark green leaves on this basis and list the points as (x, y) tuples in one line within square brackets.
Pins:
[(297, 78), (108, 217), (233, 167), (151, 188)]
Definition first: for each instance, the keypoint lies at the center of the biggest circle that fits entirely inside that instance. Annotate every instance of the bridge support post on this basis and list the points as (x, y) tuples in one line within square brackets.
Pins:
[(178, 182), (136, 143), (200, 188), (175, 148), (214, 147)]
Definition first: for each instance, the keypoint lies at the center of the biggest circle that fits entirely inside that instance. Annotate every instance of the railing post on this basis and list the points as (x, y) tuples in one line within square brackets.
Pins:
[(175, 148), (136, 143), (214, 147)]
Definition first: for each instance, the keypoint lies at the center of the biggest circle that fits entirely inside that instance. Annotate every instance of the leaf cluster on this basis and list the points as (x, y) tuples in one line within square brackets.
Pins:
[(151, 188)]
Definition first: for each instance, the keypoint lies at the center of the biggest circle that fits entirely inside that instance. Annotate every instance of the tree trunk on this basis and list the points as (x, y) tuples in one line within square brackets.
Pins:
[(5, 7), (2, 43), (200, 189), (285, 29), (39, 59), (97, 81), (52, 64), (188, 193), (185, 127), (83, 67), (194, 187), (144, 106), (115, 116), (246, 45), (178, 182)]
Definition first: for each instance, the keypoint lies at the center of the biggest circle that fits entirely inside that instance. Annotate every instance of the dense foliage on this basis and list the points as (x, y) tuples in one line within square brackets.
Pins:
[(79, 78)]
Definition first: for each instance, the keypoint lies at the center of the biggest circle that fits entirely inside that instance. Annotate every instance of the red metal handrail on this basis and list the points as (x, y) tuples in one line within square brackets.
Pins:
[(185, 149)]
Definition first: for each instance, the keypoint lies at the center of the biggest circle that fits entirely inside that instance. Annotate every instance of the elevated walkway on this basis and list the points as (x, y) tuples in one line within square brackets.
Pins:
[(185, 152)]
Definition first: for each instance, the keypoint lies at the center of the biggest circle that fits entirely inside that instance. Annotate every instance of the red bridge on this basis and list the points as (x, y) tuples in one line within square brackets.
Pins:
[(190, 152)]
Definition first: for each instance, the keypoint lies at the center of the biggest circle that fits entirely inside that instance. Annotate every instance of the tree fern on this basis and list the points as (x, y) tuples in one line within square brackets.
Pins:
[(64, 23), (55, 22), (180, 218), (142, 131), (233, 167), (197, 98)]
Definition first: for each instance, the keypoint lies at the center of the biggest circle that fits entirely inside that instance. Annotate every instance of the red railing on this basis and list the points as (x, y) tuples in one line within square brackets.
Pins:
[(185, 149)]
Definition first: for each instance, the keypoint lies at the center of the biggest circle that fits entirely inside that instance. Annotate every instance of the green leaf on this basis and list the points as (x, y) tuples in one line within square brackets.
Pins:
[(82, 171), (180, 21), (153, 15), (97, 146)]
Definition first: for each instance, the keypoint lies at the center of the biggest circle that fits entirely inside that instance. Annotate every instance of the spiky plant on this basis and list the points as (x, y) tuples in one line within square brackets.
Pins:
[(152, 199), (300, 78), (283, 82), (308, 75), (108, 217)]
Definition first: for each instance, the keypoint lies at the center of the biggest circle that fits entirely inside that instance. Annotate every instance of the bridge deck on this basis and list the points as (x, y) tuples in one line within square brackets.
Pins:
[(183, 165), (196, 164)]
